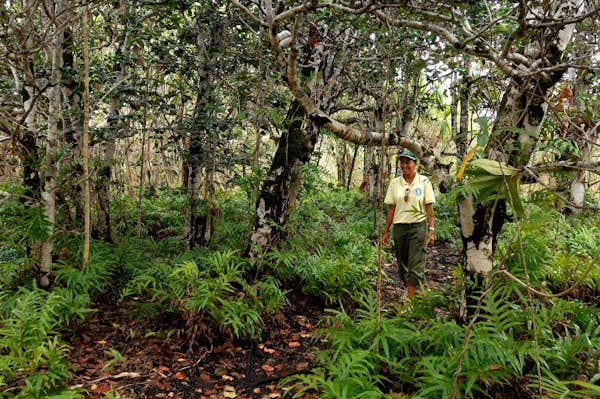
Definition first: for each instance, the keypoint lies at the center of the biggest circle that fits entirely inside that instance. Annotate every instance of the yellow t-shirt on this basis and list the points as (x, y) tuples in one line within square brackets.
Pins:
[(418, 193)]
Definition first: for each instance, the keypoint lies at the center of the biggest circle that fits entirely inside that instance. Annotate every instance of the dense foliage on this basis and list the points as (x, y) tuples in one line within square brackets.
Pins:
[(518, 343), (236, 154)]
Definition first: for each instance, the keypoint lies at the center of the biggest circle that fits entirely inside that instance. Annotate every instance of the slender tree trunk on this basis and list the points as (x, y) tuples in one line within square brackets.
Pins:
[(462, 138), (341, 161), (407, 105), (210, 208), (54, 53), (352, 164), (27, 139), (102, 229), (85, 142), (128, 169), (368, 165), (454, 90), (192, 218), (143, 157), (208, 39), (71, 194)]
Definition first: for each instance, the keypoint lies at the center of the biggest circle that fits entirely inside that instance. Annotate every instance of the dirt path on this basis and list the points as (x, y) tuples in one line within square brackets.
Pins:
[(157, 365)]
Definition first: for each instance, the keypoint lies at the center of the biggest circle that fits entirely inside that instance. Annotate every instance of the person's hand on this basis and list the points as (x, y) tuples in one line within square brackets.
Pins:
[(384, 238), (430, 237)]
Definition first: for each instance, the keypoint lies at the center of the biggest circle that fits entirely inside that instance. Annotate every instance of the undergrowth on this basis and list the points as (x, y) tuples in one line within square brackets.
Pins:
[(415, 355), (329, 249), (32, 356), (518, 346)]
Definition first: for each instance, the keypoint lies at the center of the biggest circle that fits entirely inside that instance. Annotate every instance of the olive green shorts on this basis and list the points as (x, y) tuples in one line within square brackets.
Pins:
[(409, 244)]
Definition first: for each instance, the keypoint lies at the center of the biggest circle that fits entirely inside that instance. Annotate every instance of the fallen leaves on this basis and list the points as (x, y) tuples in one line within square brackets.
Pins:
[(168, 372), (229, 392), (163, 369), (301, 366), (102, 388), (267, 368)]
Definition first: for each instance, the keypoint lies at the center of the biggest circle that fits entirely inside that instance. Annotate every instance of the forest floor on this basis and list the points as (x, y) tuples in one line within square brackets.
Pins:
[(151, 363)]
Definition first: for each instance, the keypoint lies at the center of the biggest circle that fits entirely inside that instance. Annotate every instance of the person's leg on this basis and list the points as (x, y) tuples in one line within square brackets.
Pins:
[(415, 264), (401, 241)]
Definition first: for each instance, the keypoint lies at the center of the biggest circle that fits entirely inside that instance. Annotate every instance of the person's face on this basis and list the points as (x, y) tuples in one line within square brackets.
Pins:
[(408, 166)]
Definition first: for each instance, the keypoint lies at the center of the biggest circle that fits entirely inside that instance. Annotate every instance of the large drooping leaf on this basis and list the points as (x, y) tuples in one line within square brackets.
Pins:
[(489, 180)]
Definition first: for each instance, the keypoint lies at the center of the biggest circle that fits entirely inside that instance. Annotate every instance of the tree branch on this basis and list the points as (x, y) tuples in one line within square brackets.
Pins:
[(566, 165), (248, 13), (452, 40), (570, 203), (563, 22)]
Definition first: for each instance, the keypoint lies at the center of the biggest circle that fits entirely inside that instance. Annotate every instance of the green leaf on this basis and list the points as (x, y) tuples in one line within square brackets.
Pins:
[(495, 167), (484, 131)]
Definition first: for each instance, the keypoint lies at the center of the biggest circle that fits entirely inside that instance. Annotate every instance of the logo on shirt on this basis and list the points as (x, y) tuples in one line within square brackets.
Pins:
[(418, 191)]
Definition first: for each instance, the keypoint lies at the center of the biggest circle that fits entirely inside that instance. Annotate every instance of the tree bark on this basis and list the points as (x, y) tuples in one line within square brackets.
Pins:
[(85, 140), (281, 186), (54, 53), (516, 132), (102, 229), (322, 72), (462, 138), (198, 221), (70, 194), (26, 139)]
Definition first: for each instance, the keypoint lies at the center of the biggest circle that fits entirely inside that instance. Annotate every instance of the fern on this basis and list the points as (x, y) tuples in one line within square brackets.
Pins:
[(351, 376), (211, 289), (30, 349), (554, 388)]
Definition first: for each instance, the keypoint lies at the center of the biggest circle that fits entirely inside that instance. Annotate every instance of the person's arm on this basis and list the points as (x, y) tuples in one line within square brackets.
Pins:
[(389, 219), (430, 223)]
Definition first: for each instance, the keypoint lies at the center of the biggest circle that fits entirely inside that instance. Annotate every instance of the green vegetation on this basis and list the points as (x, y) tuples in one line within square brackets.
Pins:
[(518, 343)]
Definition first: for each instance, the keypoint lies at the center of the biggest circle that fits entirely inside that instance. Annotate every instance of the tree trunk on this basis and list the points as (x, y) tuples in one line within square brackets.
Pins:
[(193, 220), (514, 136), (71, 194), (462, 138), (210, 208), (26, 140), (341, 161), (102, 228), (85, 140), (279, 190), (352, 164), (198, 225), (54, 52)]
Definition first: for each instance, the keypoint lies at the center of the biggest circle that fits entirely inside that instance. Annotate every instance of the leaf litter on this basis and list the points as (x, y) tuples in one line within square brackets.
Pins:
[(157, 364)]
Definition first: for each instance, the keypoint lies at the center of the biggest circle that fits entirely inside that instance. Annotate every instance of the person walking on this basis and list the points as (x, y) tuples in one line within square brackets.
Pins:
[(409, 199)]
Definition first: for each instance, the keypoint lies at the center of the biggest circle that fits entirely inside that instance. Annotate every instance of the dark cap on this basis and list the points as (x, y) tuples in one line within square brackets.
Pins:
[(407, 154)]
